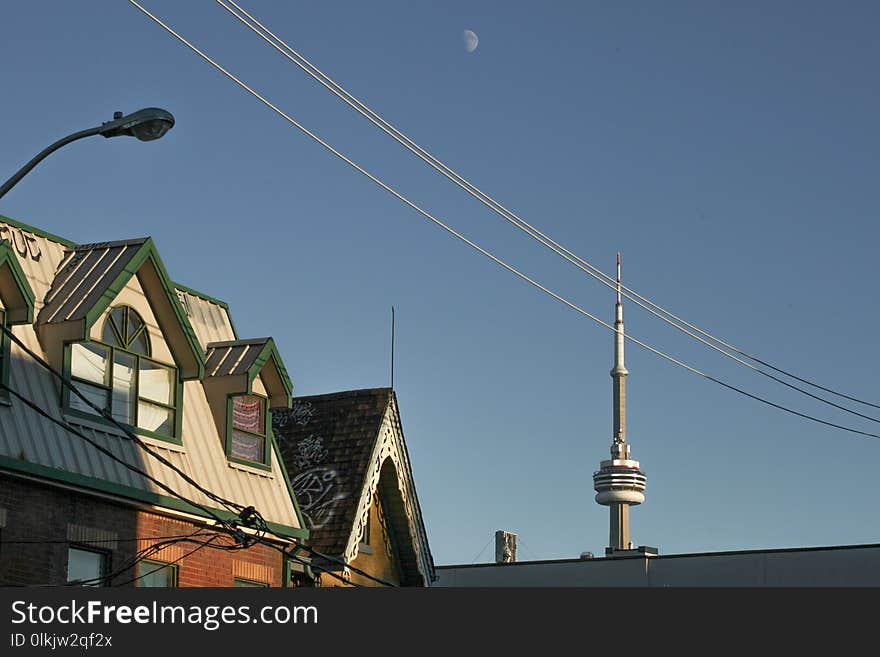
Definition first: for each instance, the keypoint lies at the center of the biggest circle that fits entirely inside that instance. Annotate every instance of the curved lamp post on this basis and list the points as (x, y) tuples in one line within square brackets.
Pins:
[(146, 124)]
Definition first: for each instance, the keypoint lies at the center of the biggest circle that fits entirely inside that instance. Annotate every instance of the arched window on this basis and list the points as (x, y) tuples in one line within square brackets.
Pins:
[(118, 375), (124, 328)]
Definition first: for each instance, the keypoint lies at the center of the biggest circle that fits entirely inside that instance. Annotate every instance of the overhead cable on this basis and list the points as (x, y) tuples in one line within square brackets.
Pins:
[(654, 309), (473, 245)]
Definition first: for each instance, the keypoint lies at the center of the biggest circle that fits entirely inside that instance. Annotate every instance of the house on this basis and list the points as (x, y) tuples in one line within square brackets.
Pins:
[(137, 462), (348, 463)]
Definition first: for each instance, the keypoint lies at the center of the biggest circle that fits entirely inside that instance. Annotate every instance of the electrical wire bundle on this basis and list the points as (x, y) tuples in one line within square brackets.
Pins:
[(246, 518)]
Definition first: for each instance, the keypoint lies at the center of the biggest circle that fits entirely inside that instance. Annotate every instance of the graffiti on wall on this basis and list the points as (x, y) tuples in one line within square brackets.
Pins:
[(302, 412), (317, 486)]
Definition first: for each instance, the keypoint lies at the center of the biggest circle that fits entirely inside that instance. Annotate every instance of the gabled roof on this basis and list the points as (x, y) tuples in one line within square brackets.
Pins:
[(247, 359), (339, 449), (15, 292), (89, 278)]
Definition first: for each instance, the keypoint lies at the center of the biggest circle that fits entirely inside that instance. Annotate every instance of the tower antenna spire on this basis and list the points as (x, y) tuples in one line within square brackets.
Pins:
[(618, 278)]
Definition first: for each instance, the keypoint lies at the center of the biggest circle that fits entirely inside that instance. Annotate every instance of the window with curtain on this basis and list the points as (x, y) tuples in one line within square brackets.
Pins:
[(117, 375), (248, 429)]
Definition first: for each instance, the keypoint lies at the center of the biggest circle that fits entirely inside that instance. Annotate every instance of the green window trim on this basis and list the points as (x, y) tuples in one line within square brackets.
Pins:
[(268, 439)]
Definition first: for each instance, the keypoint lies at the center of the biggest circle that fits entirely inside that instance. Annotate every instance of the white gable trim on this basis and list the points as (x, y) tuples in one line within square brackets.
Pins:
[(390, 445)]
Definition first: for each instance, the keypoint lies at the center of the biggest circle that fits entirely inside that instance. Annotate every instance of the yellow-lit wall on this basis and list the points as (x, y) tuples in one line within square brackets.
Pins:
[(377, 558)]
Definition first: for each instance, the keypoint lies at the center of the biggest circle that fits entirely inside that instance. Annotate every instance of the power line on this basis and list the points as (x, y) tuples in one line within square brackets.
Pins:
[(230, 527), (200, 546), (255, 520), (76, 432), (138, 556), (473, 245), (474, 560), (313, 71), (231, 506), (225, 525)]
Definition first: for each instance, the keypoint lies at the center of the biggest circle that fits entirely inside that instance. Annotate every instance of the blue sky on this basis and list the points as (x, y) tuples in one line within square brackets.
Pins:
[(728, 150)]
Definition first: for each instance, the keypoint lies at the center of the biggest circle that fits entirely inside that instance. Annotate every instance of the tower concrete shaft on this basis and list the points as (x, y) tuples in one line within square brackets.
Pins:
[(618, 536)]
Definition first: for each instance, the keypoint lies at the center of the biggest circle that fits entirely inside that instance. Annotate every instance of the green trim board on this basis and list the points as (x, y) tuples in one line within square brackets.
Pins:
[(283, 468), (36, 231), (23, 313), (148, 497)]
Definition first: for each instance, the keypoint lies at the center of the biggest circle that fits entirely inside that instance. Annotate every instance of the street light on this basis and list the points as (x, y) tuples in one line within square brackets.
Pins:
[(146, 124)]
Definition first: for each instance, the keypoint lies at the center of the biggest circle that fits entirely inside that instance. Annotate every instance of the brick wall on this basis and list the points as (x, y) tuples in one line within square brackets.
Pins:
[(53, 518)]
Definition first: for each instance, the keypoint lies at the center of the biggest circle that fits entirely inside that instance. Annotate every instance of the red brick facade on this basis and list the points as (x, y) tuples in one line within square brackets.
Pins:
[(55, 518)]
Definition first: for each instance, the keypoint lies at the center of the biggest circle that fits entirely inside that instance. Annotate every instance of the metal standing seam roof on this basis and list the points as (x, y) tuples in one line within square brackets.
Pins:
[(209, 318), (83, 276), (233, 357)]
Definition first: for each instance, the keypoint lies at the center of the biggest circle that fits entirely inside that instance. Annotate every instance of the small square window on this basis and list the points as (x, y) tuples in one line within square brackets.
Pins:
[(87, 567), (156, 574), (247, 583), (247, 429)]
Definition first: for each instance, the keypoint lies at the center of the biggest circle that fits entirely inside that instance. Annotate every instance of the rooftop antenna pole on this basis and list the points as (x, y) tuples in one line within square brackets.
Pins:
[(392, 347)]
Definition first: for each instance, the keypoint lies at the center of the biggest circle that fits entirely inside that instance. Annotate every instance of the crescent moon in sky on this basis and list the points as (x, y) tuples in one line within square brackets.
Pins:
[(470, 40)]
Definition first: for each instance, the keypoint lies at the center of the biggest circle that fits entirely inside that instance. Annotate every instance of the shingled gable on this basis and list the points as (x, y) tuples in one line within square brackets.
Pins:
[(238, 363), (340, 449), (16, 296), (88, 280)]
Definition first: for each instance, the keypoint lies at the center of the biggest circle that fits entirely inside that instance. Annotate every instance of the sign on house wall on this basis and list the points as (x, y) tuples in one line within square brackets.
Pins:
[(24, 243)]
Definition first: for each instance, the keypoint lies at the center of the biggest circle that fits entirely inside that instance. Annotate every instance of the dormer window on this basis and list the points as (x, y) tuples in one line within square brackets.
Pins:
[(247, 433), (244, 380), (119, 376)]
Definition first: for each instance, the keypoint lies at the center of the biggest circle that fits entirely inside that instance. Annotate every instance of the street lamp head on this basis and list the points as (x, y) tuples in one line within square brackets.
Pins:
[(146, 124)]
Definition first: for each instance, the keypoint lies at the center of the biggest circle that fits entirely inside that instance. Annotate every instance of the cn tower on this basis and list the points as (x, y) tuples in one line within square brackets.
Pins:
[(619, 483)]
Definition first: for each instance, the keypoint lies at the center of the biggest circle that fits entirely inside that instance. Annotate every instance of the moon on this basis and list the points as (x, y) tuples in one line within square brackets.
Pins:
[(470, 40)]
